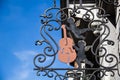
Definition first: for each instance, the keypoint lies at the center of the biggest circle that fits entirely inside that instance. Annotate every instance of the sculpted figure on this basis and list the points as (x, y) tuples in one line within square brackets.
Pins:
[(81, 57), (76, 31)]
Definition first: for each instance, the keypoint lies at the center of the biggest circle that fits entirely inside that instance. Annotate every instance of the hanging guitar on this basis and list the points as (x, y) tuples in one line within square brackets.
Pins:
[(66, 53)]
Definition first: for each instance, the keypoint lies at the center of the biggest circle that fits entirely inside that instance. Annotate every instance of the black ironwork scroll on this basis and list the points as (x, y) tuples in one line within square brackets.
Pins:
[(52, 20)]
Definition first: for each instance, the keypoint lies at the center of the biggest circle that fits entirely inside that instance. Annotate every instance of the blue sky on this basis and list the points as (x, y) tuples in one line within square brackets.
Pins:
[(19, 29)]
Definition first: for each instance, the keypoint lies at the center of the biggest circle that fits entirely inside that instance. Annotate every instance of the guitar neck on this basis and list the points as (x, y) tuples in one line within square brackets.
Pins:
[(64, 31)]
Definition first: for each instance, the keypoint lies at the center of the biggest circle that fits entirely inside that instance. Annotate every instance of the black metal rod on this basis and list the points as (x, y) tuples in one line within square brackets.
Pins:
[(80, 1), (54, 3), (75, 69)]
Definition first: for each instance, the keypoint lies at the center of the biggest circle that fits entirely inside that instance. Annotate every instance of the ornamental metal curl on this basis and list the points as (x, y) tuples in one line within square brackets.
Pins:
[(57, 16), (114, 2)]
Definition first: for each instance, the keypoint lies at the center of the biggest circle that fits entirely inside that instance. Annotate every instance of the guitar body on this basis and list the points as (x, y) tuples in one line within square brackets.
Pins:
[(66, 53), (63, 42)]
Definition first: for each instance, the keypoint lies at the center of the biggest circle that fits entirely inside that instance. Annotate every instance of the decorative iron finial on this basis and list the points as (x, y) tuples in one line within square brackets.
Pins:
[(80, 1), (54, 3), (74, 4)]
